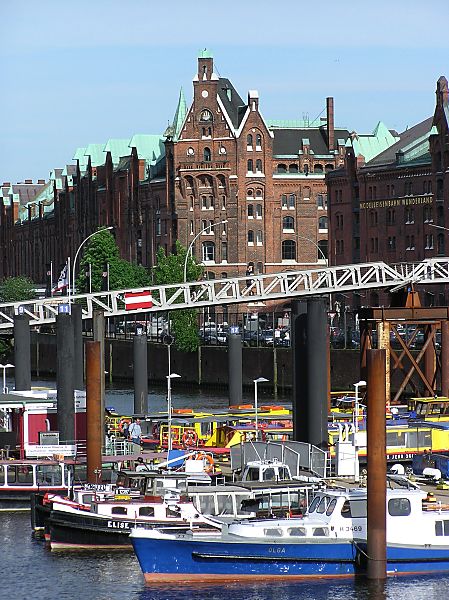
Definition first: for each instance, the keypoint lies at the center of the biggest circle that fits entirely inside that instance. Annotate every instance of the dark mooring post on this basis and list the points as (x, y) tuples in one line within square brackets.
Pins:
[(95, 433), (98, 331), (377, 465), (445, 358), (235, 376), (310, 371), (22, 352), (65, 357), (140, 356), (78, 365)]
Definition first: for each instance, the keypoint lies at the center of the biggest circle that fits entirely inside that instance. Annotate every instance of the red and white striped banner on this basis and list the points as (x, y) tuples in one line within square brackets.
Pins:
[(135, 300)]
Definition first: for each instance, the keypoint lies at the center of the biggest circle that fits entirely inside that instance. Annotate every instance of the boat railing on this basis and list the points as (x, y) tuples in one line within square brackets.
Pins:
[(118, 447)]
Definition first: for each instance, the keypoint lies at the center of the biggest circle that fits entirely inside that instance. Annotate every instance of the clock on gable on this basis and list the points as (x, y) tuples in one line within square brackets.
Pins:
[(205, 115)]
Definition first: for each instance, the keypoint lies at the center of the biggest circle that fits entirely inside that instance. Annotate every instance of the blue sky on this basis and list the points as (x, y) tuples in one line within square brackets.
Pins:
[(82, 72)]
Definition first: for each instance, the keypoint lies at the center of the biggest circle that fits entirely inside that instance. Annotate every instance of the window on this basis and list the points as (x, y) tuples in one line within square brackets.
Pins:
[(339, 221), (118, 510), (258, 166), (250, 211), (211, 202), (259, 270), (292, 200), (392, 243), (224, 229), (191, 228), (440, 244), (249, 167), (293, 169), (146, 511), (223, 202), (328, 167), (259, 193), (288, 224), (441, 528), (284, 200), (258, 211), (259, 237), (281, 168), (409, 216), (288, 250), (249, 193), (203, 202), (191, 202), (322, 222), (409, 242), (249, 141), (429, 241), (207, 155), (391, 216), (208, 251), (373, 218), (250, 237), (318, 168), (158, 226), (258, 142), (224, 251), (322, 249), (399, 507), (320, 201)]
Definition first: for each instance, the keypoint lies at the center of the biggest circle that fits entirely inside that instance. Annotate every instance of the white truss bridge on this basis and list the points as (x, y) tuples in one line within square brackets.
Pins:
[(218, 292)]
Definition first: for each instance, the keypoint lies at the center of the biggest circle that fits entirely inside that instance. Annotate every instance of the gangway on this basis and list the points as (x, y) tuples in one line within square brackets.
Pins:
[(218, 292)]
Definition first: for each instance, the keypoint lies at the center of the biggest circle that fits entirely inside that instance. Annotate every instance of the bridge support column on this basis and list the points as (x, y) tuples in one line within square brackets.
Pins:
[(140, 363), (95, 433), (310, 364), (22, 352), (78, 365), (65, 356), (235, 377)]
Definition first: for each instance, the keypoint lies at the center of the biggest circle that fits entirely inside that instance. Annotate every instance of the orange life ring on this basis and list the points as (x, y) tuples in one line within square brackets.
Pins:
[(122, 423), (202, 456), (189, 438)]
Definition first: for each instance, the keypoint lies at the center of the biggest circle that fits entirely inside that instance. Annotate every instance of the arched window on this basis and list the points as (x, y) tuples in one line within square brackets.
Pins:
[(440, 216), (258, 141), (259, 193), (250, 211), (223, 202), (259, 237), (288, 250), (250, 236), (318, 168), (282, 168), (292, 200), (191, 228), (258, 165), (249, 140), (249, 167), (322, 223), (206, 155), (204, 226), (284, 200), (293, 168), (328, 167), (259, 268), (249, 193), (322, 249), (288, 224), (208, 251), (258, 211)]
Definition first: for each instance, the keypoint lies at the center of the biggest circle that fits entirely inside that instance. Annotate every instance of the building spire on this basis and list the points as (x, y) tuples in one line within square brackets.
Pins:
[(180, 114)]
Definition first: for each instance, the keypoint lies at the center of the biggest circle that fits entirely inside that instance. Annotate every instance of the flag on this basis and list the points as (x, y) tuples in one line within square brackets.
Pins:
[(63, 280), (135, 300)]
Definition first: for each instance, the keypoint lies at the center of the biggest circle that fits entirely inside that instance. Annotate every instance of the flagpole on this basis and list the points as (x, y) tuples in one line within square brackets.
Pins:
[(51, 279), (69, 280), (90, 278)]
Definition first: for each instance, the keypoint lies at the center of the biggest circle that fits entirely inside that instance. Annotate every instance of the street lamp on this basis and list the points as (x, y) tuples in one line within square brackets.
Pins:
[(356, 427), (169, 378), (4, 367), (78, 251), (194, 240), (323, 256), (256, 412)]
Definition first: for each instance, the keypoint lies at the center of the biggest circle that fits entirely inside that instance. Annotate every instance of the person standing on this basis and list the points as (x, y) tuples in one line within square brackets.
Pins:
[(135, 432)]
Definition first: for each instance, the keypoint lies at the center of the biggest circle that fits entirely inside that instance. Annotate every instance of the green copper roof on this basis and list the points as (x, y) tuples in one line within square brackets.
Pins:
[(80, 155), (117, 148), (149, 147), (205, 53), (180, 114), (97, 154), (370, 146)]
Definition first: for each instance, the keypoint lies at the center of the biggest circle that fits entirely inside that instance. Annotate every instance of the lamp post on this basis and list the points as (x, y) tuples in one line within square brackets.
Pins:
[(4, 367), (323, 256), (169, 378), (194, 240), (356, 427), (256, 411), (78, 251)]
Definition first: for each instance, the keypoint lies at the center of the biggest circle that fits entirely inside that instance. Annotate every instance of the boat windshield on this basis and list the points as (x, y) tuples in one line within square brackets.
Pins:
[(330, 508), (314, 504)]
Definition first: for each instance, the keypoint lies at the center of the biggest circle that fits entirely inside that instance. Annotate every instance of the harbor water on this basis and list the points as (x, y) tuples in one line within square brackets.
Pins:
[(31, 571)]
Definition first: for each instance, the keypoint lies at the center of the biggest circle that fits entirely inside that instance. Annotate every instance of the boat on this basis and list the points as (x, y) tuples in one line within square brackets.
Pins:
[(329, 541)]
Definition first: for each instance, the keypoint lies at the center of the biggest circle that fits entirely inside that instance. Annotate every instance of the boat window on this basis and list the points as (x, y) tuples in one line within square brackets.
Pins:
[(283, 473), (346, 510), (173, 512), (87, 498), (330, 508), (318, 531), (322, 505), (119, 510), (358, 508), (252, 474), (206, 504), (269, 475), (146, 511), (399, 507), (2, 475), (296, 531), (49, 474), (273, 532), (25, 475), (225, 504), (441, 528), (314, 504)]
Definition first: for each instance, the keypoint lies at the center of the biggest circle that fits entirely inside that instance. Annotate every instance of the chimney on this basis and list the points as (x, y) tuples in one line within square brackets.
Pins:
[(330, 123), (6, 184), (442, 91), (253, 100), (41, 181), (28, 181)]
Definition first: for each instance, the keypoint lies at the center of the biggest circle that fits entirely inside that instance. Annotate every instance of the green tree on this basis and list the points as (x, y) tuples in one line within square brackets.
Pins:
[(170, 269), (100, 250), (15, 289)]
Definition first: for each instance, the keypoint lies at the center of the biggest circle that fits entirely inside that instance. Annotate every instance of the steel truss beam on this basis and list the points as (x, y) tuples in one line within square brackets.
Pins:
[(260, 288)]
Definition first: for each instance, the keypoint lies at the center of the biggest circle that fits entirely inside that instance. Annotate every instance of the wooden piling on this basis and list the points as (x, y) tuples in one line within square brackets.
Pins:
[(377, 465), (95, 433)]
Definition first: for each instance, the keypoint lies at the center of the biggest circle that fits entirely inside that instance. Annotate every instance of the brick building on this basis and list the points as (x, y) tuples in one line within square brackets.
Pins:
[(392, 207), (219, 160)]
